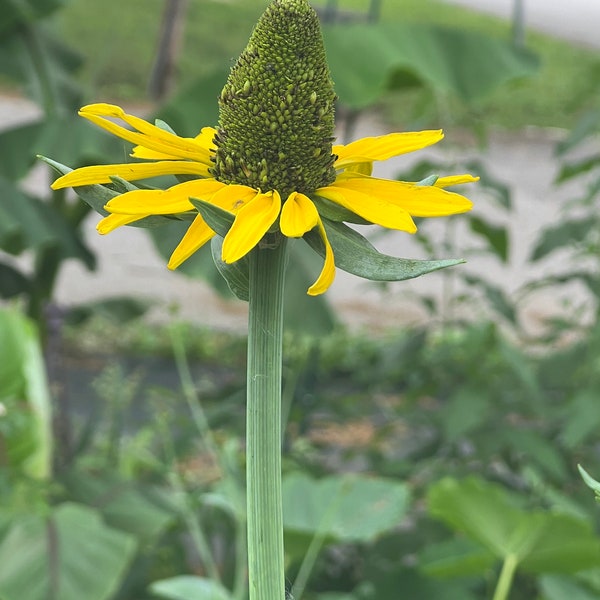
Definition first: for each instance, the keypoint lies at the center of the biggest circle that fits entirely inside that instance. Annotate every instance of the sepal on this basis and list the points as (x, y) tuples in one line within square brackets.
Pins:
[(356, 255)]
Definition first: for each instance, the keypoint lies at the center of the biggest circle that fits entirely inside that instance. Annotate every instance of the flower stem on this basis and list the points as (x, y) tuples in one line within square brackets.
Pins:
[(506, 577), (263, 434)]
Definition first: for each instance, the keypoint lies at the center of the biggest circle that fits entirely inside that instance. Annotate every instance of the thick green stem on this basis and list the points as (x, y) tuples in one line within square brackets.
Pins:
[(263, 435), (506, 577)]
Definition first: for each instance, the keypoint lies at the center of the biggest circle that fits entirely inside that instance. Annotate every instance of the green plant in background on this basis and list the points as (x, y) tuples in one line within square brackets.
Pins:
[(48, 230)]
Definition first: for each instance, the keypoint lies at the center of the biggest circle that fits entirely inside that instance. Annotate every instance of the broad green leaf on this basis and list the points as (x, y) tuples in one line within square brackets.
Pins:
[(141, 510), (455, 558), (69, 555), (344, 508), (188, 587), (557, 587), (354, 254), (496, 236), (467, 64), (540, 541)]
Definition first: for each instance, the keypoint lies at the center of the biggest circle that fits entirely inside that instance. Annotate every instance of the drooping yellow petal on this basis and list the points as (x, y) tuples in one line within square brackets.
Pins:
[(298, 215), (128, 171), (370, 149), (417, 200), (327, 275), (146, 135), (111, 222), (451, 180), (195, 237), (251, 223), (205, 138), (375, 209), (164, 202)]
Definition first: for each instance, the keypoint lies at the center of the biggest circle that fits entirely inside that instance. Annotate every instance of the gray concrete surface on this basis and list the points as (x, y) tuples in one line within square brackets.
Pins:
[(573, 20)]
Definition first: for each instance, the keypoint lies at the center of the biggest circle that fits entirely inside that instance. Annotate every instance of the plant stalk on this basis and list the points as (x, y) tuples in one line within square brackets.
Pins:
[(263, 420), (506, 577)]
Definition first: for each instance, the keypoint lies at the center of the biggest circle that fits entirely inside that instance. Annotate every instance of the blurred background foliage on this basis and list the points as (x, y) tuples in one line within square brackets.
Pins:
[(432, 462)]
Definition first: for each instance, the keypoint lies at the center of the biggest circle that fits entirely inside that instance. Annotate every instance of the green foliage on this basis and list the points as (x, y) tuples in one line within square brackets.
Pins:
[(392, 56), (63, 555), (25, 436)]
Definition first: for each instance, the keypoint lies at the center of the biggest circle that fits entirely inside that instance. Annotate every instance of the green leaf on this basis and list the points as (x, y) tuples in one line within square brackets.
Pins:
[(13, 283), (355, 254), (571, 170), (539, 541), (385, 56), (582, 418), (24, 391), (188, 587), (141, 510), (344, 508), (235, 274), (455, 558), (567, 233), (496, 236), (557, 587), (586, 127), (69, 555), (495, 295), (216, 218), (590, 481)]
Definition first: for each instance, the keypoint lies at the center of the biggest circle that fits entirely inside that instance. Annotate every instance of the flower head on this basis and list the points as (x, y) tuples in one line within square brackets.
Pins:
[(270, 162)]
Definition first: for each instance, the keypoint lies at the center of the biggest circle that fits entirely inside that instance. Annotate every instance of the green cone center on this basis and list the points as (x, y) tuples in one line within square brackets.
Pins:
[(276, 111)]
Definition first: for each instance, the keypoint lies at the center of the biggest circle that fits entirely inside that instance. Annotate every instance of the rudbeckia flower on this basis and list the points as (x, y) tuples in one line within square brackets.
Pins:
[(270, 162)]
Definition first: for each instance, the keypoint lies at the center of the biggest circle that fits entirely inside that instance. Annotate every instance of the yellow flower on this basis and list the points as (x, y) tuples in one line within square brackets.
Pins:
[(270, 162), (391, 204)]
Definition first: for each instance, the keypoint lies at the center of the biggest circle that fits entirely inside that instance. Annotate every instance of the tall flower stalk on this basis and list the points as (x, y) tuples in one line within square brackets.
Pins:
[(268, 172)]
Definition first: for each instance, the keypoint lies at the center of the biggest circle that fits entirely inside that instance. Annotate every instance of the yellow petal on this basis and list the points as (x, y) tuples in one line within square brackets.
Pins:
[(298, 215), (251, 223), (205, 138), (147, 135), (369, 149), (328, 272), (111, 222), (372, 208), (195, 237), (232, 197), (416, 200), (128, 171), (444, 182), (164, 202)]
